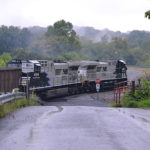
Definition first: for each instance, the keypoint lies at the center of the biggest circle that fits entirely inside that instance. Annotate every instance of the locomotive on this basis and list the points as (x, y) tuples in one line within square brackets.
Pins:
[(51, 78)]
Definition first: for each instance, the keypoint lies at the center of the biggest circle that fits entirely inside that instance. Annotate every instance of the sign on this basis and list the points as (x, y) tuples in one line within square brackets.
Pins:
[(97, 81), (27, 67), (25, 80), (97, 87)]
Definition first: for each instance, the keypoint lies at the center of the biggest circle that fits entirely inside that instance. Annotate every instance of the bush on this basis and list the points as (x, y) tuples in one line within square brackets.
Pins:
[(1, 111), (144, 90), (144, 104), (141, 97), (20, 103)]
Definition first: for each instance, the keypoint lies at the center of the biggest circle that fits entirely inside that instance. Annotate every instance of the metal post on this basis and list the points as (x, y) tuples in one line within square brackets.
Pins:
[(132, 87), (119, 94), (97, 95), (114, 94), (117, 97), (27, 87)]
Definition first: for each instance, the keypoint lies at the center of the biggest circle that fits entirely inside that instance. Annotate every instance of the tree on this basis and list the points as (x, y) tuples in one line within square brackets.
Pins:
[(4, 58), (147, 14), (2, 63), (61, 28), (70, 56), (13, 37), (62, 38)]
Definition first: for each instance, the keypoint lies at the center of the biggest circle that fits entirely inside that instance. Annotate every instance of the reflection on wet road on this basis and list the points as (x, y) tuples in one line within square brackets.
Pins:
[(76, 128), (81, 122)]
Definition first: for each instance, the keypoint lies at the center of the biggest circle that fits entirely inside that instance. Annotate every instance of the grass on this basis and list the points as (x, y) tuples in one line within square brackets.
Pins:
[(130, 102), (115, 105), (17, 104), (137, 104), (141, 97), (133, 104)]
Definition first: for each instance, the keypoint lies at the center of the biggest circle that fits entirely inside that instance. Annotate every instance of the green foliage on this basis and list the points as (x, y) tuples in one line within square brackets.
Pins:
[(141, 97), (13, 37), (61, 38), (22, 53), (61, 41), (147, 14), (61, 28), (127, 102), (144, 103), (16, 104), (2, 63), (144, 90), (70, 56), (4, 58)]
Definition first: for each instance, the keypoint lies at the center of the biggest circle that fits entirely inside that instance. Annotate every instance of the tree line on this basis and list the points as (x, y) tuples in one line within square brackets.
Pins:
[(60, 41)]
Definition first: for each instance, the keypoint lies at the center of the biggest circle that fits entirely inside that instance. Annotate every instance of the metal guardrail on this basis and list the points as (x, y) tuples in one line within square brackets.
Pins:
[(4, 98)]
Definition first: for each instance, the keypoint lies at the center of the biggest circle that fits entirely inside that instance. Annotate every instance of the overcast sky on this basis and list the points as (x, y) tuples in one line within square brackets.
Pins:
[(116, 15)]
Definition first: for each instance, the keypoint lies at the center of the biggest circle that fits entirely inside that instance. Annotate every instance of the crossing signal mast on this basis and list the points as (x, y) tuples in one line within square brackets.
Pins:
[(97, 81)]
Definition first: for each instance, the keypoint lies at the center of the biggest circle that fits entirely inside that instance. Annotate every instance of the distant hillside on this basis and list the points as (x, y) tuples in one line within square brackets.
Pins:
[(96, 35), (89, 33), (37, 31)]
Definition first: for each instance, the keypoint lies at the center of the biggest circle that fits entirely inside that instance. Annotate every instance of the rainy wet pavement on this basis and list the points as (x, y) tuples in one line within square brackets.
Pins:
[(80, 122), (75, 128)]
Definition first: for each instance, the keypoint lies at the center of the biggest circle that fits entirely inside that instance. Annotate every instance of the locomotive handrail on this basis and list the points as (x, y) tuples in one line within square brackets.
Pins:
[(4, 98)]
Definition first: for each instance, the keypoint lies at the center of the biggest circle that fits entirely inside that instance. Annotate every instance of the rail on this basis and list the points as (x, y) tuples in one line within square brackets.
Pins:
[(4, 98)]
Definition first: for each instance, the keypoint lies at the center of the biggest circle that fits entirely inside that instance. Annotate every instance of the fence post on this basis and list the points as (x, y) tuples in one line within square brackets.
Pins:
[(132, 87)]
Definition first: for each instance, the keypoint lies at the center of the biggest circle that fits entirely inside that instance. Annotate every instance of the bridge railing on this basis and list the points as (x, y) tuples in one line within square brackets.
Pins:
[(4, 98)]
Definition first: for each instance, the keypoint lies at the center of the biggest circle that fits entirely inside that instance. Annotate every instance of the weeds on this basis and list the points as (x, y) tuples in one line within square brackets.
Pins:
[(140, 98), (16, 104)]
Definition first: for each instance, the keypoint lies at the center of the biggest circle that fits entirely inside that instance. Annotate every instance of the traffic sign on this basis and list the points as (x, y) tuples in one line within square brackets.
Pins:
[(97, 81), (97, 87), (27, 67)]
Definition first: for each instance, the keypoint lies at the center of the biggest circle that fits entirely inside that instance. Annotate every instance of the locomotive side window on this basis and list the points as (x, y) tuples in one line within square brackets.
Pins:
[(65, 71), (37, 68), (98, 69), (104, 68), (73, 68), (44, 63), (58, 72), (91, 67)]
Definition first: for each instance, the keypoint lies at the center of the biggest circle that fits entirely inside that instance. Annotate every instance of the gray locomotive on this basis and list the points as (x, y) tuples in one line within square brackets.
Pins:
[(51, 78)]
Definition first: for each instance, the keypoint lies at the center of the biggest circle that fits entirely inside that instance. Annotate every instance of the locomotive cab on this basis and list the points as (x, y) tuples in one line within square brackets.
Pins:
[(121, 69), (31, 70)]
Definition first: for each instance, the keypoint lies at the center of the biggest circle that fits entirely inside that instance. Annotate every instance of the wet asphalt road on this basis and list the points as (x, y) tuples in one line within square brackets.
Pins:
[(82, 122), (75, 128)]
